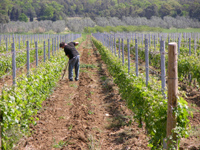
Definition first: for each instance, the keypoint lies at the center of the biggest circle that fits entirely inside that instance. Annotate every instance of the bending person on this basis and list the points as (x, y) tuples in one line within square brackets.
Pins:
[(73, 54)]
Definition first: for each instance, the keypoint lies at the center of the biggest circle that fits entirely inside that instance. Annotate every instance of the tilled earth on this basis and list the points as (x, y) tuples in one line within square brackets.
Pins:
[(90, 114)]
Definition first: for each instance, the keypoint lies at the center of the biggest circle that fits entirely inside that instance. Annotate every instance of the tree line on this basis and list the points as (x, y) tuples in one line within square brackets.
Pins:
[(28, 10), (100, 24), (33, 27)]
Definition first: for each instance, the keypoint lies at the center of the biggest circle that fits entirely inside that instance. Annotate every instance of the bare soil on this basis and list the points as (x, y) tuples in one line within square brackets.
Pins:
[(90, 114), (193, 98)]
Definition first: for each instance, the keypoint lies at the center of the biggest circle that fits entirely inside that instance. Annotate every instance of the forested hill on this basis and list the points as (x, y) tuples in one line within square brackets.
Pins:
[(23, 10)]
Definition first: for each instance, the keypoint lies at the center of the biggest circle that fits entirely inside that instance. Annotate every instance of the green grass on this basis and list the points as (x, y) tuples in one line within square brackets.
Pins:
[(86, 71), (103, 78), (69, 104), (94, 143), (61, 117), (84, 35), (192, 108), (70, 127), (61, 144), (92, 1), (138, 29), (117, 122), (123, 29), (195, 131), (90, 112), (73, 85), (174, 30)]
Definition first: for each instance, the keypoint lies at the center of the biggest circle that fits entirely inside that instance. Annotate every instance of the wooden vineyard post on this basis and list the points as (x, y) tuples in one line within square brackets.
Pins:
[(115, 44), (49, 49), (136, 57), (36, 53), (44, 46), (172, 94), (55, 45), (119, 48), (147, 61), (123, 51), (129, 64), (13, 63), (28, 57)]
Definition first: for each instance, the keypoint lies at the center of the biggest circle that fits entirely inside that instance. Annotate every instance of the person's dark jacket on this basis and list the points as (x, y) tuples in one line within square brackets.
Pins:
[(70, 50)]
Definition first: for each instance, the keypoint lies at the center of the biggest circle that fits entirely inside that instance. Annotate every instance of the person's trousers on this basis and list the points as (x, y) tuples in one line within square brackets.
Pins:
[(74, 63)]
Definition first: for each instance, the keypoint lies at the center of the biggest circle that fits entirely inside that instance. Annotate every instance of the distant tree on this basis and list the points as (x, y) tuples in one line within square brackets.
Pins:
[(165, 10), (195, 12), (4, 18), (78, 9), (48, 13), (119, 13), (31, 13), (150, 11), (58, 26), (23, 17), (131, 10), (92, 16), (105, 13), (5, 5), (102, 21), (179, 11), (56, 16), (17, 15), (31, 17), (8, 12), (114, 21), (127, 11), (113, 12), (38, 7), (14, 15)]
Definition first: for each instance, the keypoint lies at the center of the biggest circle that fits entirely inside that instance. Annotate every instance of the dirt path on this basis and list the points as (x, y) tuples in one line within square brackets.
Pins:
[(86, 114)]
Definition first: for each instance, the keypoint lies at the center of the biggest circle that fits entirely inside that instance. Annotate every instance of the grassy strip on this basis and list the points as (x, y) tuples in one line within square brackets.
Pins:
[(147, 103), (19, 103), (122, 29), (137, 29)]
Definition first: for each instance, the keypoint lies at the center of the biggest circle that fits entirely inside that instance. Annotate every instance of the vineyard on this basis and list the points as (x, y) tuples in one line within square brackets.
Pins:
[(120, 101)]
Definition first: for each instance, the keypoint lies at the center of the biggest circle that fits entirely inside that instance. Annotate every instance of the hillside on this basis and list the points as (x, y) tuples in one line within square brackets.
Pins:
[(24, 10)]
